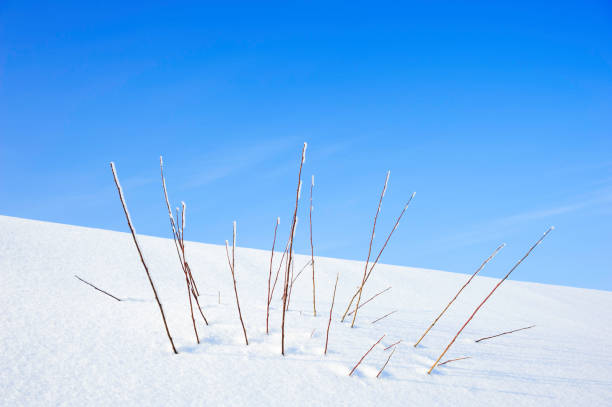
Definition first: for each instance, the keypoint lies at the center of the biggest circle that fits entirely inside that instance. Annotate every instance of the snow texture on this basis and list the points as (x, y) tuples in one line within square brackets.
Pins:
[(64, 343)]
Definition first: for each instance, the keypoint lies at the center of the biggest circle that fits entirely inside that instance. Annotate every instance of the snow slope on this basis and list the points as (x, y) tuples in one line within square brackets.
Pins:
[(64, 343)]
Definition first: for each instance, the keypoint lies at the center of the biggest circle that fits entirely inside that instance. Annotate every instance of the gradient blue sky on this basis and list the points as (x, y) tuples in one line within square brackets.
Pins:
[(498, 115)]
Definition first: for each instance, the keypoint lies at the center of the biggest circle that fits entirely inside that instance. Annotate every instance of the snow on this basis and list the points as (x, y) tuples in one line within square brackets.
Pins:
[(64, 343)]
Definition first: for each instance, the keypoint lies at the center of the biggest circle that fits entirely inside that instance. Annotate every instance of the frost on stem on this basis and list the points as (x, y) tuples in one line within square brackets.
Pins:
[(183, 215), (304, 152), (142, 260), (386, 182), (234, 238)]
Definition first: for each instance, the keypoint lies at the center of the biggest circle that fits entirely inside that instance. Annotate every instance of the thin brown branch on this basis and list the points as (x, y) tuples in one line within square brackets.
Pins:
[(142, 260), (280, 265), (371, 298), (331, 309), (102, 291), (314, 307), (384, 316), (385, 365), (290, 285), (233, 270), (393, 344), (270, 277), (179, 243), (487, 297), (454, 360), (195, 297), (365, 271), (290, 250), (366, 354), (379, 253), (294, 279), (503, 333), (459, 292)]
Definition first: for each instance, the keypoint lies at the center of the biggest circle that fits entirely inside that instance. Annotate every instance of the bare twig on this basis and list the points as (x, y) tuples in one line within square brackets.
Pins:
[(280, 265), (365, 271), (393, 344), (314, 307), (331, 309), (384, 316), (379, 253), (294, 279), (371, 298), (270, 277), (459, 292), (102, 291), (233, 270), (179, 243), (291, 285), (195, 297), (142, 260), (487, 297), (503, 333), (385, 365), (454, 360), (290, 249), (366, 354)]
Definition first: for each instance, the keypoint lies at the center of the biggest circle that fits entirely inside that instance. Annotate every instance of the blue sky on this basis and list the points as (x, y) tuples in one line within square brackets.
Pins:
[(498, 115)]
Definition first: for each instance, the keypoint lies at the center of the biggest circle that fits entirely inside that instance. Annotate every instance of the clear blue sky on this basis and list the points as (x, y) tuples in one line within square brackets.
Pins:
[(498, 115)]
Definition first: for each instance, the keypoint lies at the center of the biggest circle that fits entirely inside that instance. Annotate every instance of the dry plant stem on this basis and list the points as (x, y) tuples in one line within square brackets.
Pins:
[(393, 344), (291, 285), (233, 270), (504, 333), (366, 354), (314, 307), (379, 253), (454, 360), (371, 298), (290, 250), (177, 234), (191, 308), (385, 365), (190, 291), (102, 291), (384, 316), (236, 291), (270, 277), (459, 292), (280, 265), (487, 297), (331, 309), (365, 271), (195, 297), (142, 260), (294, 279)]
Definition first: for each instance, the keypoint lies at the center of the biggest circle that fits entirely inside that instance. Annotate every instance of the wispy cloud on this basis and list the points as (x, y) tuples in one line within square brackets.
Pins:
[(496, 227), (232, 160)]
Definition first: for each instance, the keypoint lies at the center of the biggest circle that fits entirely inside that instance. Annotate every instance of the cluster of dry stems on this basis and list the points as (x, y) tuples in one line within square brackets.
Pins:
[(286, 263)]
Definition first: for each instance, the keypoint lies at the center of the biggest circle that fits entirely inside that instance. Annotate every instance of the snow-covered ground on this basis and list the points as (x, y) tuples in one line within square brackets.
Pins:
[(63, 343)]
